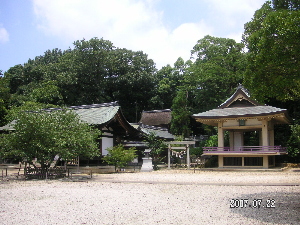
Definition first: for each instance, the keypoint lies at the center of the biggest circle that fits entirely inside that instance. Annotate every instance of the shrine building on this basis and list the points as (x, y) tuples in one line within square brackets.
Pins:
[(241, 115)]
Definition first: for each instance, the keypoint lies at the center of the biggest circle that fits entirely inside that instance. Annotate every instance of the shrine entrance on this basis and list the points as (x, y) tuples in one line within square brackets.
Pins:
[(179, 145)]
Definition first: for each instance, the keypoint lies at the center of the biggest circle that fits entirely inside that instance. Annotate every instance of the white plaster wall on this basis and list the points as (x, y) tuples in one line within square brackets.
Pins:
[(248, 122), (253, 122), (230, 123), (107, 142), (238, 140)]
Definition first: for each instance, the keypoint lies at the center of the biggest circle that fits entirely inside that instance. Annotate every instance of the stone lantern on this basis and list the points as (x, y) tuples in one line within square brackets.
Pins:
[(147, 162)]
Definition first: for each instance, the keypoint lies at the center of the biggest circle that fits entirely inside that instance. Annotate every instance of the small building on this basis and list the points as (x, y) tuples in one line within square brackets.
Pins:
[(154, 121), (158, 118), (238, 115), (157, 122)]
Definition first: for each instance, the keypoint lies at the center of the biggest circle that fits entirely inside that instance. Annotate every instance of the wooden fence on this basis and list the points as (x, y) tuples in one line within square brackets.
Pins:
[(44, 173)]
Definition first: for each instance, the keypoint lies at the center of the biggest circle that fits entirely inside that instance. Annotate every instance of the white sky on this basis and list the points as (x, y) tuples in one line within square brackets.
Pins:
[(163, 29)]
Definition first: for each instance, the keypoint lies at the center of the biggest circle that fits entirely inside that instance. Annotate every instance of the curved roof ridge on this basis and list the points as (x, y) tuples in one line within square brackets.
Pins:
[(240, 94)]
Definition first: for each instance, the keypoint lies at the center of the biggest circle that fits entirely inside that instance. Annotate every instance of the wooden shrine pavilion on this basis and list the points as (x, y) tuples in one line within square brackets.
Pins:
[(107, 117), (240, 115)]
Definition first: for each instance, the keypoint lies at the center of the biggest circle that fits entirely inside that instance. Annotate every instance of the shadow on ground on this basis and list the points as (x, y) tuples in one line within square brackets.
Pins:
[(286, 208)]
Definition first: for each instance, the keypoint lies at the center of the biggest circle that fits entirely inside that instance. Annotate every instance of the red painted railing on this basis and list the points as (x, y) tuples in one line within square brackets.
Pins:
[(245, 149)]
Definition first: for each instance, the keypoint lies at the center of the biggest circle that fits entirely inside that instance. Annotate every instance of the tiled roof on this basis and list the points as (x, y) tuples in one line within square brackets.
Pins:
[(95, 114), (240, 105), (156, 117), (9, 126), (239, 112), (158, 131)]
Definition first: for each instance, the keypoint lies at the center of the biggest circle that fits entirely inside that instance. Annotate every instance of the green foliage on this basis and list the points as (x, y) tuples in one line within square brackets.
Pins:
[(286, 4), (47, 93), (43, 135), (170, 79), (272, 37), (218, 69), (14, 111), (119, 156), (180, 124), (4, 100), (197, 152), (157, 147), (212, 141), (94, 71), (130, 79), (3, 113), (294, 143)]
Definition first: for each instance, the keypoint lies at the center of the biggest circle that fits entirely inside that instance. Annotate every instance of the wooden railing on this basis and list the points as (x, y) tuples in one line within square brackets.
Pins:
[(244, 149)]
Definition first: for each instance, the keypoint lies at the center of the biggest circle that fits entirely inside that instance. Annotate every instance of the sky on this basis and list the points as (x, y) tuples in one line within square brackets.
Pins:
[(163, 29)]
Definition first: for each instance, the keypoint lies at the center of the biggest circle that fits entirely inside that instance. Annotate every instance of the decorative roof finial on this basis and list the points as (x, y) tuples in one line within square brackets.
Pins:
[(240, 86)]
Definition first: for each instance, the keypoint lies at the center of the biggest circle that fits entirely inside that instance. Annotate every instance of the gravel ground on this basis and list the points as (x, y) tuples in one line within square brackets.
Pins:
[(162, 197)]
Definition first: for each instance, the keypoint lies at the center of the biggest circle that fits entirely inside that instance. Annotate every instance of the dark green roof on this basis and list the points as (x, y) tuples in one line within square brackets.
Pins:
[(96, 114)]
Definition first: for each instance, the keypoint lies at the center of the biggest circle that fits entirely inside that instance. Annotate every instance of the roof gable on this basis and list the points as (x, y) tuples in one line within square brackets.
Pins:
[(241, 106), (241, 98)]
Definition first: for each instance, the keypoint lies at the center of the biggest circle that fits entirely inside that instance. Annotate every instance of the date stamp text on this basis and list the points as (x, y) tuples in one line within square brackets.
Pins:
[(255, 203)]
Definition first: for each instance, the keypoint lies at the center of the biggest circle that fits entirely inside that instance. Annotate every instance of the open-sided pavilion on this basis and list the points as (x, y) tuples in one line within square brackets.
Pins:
[(238, 115)]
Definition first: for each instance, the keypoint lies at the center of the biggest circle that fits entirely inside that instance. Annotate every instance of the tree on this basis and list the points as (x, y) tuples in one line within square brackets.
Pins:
[(119, 156), (180, 123), (272, 38), (170, 79), (157, 147), (47, 93), (131, 78), (44, 135), (294, 143), (4, 100), (218, 69), (94, 71), (286, 4)]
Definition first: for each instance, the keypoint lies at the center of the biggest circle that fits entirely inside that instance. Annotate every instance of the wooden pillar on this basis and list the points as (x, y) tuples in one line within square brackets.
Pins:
[(220, 135), (169, 157), (265, 162), (265, 133), (231, 140), (271, 134), (220, 161)]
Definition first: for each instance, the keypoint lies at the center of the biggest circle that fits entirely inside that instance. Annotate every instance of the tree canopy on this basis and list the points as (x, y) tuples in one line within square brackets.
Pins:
[(272, 37), (217, 71), (180, 124), (44, 135), (157, 147), (286, 4), (92, 72)]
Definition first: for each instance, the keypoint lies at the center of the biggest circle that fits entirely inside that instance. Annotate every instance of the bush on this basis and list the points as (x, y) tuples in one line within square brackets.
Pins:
[(119, 156)]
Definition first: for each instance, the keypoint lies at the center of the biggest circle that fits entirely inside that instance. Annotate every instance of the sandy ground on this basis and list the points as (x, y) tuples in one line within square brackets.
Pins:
[(161, 197)]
